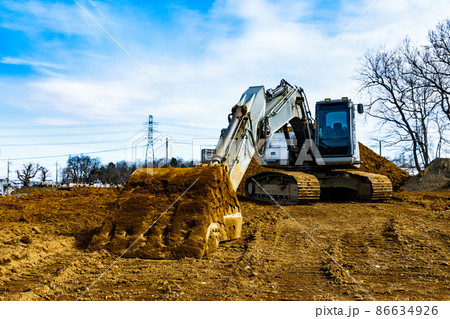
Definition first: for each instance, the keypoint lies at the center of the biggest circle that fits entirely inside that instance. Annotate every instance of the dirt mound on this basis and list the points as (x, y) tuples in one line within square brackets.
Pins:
[(374, 163), (172, 213), (435, 176)]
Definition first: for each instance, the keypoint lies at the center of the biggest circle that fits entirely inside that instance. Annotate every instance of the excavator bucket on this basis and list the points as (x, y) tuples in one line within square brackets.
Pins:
[(171, 213)]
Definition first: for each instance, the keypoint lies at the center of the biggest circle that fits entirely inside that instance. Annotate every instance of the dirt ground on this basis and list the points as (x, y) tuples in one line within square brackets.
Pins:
[(397, 250)]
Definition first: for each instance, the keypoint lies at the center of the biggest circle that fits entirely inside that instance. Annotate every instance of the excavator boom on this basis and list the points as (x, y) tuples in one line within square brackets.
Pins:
[(254, 119)]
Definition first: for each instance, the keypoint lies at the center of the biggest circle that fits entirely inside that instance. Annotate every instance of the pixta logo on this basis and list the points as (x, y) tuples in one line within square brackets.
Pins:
[(308, 151)]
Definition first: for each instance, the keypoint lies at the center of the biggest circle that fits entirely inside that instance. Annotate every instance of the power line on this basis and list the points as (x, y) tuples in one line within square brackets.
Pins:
[(65, 134), (72, 154), (91, 125), (184, 143), (187, 126), (155, 140), (66, 143), (44, 127), (83, 153)]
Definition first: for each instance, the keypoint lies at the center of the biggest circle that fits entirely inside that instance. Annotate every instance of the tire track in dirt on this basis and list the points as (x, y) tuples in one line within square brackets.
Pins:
[(309, 273), (387, 257)]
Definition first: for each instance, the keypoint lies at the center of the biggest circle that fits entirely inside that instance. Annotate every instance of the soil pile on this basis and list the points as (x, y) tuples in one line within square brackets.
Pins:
[(435, 176), (172, 213), (374, 163)]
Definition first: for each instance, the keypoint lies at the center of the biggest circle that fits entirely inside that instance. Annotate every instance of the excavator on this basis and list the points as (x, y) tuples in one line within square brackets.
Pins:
[(186, 212), (322, 153)]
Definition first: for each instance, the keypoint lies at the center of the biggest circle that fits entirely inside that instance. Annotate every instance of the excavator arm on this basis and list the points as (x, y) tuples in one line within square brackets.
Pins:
[(256, 116)]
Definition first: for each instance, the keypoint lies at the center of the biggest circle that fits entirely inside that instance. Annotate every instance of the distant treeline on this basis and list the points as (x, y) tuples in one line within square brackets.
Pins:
[(85, 169)]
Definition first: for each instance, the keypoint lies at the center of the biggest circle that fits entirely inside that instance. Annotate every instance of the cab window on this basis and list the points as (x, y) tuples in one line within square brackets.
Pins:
[(334, 132)]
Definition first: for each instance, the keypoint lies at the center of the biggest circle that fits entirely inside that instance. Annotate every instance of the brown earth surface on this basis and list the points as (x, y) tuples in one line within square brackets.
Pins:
[(396, 250), (435, 176)]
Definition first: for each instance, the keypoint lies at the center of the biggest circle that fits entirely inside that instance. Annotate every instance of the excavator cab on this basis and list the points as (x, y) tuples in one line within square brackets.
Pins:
[(335, 133)]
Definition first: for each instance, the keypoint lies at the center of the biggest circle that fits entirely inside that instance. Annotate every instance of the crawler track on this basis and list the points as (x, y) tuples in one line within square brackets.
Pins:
[(381, 186), (288, 188), (291, 188)]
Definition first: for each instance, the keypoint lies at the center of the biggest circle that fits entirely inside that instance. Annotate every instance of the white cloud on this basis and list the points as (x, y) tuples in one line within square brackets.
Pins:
[(17, 61), (213, 59), (57, 17), (273, 43)]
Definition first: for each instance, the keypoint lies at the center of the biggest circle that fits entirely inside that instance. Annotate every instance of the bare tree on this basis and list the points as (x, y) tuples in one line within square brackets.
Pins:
[(409, 89), (44, 173), (27, 173), (430, 64), (439, 63), (401, 101), (81, 168)]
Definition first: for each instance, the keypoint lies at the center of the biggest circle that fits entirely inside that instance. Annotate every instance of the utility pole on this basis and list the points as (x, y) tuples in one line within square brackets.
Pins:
[(380, 147), (153, 147), (150, 140), (56, 181), (167, 151), (7, 178)]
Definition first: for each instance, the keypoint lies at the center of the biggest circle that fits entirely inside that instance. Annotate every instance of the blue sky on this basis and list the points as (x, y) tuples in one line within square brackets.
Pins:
[(67, 88)]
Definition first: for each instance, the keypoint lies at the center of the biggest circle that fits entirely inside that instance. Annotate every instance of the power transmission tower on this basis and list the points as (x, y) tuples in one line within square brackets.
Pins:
[(150, 141)]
